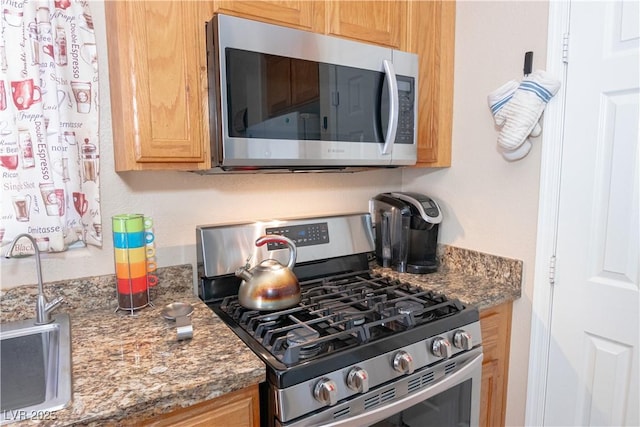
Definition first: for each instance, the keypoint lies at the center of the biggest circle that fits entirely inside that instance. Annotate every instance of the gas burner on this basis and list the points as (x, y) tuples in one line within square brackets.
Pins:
[(409, 307), (301, 335), (268, 317), (355, 316)]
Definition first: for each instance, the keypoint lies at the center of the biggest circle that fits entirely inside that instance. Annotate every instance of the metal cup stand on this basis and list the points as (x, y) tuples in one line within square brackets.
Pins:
[(132, 304)]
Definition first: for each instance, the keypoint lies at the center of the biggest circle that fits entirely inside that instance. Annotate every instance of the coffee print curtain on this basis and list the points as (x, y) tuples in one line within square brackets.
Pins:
[(49, 157)]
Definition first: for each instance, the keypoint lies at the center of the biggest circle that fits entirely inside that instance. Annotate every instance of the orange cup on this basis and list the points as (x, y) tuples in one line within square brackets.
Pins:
[(132, 269)]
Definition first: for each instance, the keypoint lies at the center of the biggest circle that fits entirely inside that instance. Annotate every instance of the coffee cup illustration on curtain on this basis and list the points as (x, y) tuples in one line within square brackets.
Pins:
[(49, 105)]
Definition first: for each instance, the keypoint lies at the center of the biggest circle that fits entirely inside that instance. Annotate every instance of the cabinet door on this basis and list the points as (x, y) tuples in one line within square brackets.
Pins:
[(158, 85), (304, 14), (237, 409), (381, 22), (432, 36), (496, 339)]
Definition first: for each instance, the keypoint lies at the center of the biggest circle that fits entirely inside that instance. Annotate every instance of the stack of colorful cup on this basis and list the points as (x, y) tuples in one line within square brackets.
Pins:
[(134, 259)]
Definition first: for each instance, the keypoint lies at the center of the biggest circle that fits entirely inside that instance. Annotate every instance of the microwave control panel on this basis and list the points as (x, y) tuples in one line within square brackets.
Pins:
[(406, 102), (301, 235)]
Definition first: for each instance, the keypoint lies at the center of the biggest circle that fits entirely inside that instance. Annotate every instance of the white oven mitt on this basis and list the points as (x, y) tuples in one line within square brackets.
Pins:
[(497, 100), (522, 112)]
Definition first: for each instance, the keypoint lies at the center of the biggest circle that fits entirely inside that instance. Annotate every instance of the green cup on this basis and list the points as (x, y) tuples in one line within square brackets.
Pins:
[(129, 223)]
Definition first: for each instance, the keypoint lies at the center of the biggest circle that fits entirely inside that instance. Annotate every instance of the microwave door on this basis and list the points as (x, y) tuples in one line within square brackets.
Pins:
[(355, 104), (359, 107)]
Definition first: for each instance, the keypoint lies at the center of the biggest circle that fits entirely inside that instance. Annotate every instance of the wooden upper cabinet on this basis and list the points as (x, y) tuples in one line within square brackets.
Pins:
[(303, 14), (157, 64), (379, 22), (431, 26), (158, 71)]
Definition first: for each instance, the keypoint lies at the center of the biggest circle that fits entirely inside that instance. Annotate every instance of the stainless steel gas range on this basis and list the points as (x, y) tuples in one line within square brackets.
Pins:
[(359, 349)]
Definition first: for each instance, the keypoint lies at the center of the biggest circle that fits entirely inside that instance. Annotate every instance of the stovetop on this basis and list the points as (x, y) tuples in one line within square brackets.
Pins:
[(342, 319), (338, 313), (347, 314)]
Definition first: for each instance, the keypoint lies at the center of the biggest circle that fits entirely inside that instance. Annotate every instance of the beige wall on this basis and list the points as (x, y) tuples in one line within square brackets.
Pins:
[(491, 205)]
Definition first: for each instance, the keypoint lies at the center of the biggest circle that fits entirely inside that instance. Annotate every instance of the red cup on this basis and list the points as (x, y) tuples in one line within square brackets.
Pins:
[(152, 280), (80, 203), (25, 93), (133, 285)]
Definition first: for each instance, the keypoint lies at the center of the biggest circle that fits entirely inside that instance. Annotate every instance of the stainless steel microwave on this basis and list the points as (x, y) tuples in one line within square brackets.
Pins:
[(282, 98)]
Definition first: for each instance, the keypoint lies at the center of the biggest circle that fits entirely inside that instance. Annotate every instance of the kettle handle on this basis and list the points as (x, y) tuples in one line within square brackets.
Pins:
[(274, 238)]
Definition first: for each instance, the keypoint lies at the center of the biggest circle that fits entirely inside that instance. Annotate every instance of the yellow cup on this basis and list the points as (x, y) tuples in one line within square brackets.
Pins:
[(132, 255)]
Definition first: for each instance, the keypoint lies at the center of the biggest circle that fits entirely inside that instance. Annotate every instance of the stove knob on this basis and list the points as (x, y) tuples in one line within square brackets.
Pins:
[(326, 392), (403, 362), (441, 347), (358, 380), (462, 340)]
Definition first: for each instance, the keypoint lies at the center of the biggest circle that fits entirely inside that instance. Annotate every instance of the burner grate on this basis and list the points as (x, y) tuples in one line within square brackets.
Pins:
[(340, 312)]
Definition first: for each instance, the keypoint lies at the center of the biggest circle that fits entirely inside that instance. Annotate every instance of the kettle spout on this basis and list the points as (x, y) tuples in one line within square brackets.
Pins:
[(244, 274)]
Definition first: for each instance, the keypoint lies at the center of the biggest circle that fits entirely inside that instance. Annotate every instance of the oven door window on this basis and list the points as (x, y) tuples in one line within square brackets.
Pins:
[(449, 408), (276, 97)]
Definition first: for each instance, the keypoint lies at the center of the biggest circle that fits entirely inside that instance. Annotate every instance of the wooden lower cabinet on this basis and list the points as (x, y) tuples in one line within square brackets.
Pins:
[(496, 338), (238, 409)]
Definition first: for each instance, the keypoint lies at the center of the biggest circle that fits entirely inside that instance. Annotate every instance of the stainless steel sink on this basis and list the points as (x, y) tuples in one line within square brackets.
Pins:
[(35, 367)]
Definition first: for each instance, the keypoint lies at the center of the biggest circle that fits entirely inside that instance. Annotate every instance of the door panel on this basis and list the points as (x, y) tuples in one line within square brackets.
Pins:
[(593, 360)]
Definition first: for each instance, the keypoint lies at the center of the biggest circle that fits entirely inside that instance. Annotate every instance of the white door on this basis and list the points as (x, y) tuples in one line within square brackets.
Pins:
[(592, 377)]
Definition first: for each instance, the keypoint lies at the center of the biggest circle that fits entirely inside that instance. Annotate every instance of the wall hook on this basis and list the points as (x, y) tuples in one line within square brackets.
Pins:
[(528, 63)]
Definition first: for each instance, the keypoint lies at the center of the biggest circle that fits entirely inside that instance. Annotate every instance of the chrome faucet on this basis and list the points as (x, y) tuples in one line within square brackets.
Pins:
[(43, 308)]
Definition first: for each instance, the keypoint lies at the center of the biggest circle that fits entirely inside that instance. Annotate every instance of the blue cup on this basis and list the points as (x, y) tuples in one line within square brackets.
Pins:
[(132, 240)]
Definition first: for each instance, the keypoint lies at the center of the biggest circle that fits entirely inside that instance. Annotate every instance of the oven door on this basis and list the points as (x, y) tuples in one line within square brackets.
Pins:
[(453, 400)]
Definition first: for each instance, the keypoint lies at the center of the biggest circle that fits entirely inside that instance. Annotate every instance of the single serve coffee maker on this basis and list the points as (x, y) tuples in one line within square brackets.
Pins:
[(406, 229)]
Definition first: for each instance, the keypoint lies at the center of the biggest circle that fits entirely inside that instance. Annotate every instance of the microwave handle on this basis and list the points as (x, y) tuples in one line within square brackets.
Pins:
[(392, 84)]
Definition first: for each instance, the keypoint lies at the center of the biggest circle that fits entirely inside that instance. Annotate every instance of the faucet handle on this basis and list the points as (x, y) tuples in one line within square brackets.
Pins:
[(53, 304)]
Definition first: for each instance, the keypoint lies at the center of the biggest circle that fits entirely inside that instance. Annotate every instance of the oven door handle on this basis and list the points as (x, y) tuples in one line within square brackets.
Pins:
[(379, 414)]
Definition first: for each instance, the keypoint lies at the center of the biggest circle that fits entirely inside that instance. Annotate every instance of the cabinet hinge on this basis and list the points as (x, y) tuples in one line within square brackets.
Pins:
[(552, 270), (565, 48)]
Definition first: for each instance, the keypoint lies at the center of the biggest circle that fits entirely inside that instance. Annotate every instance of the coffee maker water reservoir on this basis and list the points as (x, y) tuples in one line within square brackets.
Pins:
[(406, 229)]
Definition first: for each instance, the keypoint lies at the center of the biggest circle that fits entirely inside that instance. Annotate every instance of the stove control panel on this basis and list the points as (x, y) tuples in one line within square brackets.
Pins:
[(302, 235), (366, 376)]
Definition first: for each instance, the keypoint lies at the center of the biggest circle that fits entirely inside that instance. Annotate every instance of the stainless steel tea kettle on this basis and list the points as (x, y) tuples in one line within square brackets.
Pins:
[(270, 285)]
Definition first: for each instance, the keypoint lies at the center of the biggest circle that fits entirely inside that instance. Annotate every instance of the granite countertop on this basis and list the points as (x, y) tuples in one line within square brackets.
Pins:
[(127, 368), (474, 278)]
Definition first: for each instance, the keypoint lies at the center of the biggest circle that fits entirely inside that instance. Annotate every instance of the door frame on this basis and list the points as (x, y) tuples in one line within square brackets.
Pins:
[(548, 210)]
